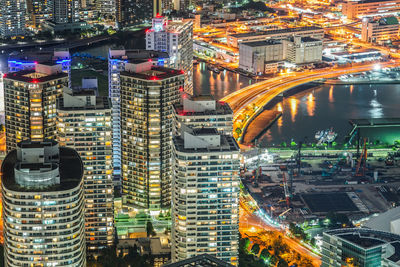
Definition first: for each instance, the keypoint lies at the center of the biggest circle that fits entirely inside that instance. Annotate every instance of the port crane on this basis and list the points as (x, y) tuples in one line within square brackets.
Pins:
[(362, 161), (286, 190)]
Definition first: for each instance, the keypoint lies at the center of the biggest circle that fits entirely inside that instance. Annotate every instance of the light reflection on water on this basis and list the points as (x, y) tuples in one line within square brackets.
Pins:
[(218, 84), (328, 106)]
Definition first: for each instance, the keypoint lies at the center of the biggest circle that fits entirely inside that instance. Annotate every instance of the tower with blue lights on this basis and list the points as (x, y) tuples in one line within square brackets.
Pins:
[(28, 61)]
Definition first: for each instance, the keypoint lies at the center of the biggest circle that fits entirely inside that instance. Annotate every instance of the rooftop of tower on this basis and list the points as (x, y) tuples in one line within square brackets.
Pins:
[(69, 163), (144, 70), (43, 72)]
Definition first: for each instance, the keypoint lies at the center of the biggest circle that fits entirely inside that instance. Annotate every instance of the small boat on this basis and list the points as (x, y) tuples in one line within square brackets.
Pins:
[(325, 136), (318, 135)]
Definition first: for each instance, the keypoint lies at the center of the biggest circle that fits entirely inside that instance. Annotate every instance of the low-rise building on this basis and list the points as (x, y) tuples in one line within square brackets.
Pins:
[(313, 31), (261, 57), (303, 50), (377, 31), (254, 55), (360, 247), (369, 8)]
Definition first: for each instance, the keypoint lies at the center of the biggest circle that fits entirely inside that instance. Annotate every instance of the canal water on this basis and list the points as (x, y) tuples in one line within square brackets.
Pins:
[(327, 106)]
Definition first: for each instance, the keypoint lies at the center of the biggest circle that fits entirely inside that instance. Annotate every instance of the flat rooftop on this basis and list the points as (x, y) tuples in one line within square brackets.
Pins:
[(70, 167), (262, 43), (156, 73), (367, 238), (30, 57), (221, 108), (140, 54), (228, 143), (368, 1), (326, 202), (307, 39), (279, 31), (362, 241), (205, 131), (102, 102), (26, 76)]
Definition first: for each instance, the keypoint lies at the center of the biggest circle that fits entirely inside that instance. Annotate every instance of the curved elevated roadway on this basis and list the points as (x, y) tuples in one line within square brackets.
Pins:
[(248, 102)]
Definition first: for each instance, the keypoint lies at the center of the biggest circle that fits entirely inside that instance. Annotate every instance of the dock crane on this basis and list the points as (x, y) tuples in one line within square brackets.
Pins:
[(362, 161), (286, 190)]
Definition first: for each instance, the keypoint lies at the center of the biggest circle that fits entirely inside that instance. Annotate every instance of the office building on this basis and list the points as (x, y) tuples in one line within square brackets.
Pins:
[(147, 96), (184, 5), (117, 59), (254, 56), (280, 34), (18, 61), (106, 8), (204, 111), (205, 195), (360, 247), (370, 8), (12, 18), (261, 57), (84, 124), (42, 196), (133, 12), (176, 38), (303, 50), (65, 11), (65, 17), (38, 12), (379, 31), (30, 98)]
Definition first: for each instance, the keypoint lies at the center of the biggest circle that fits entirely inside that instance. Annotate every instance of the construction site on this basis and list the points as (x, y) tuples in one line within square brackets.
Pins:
[(297, 186)]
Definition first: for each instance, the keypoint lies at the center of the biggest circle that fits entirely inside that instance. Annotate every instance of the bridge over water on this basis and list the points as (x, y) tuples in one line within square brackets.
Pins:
[(248, 103)]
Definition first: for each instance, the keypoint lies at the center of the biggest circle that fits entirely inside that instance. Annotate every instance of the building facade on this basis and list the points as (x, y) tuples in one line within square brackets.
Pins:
[(38, 11), (43, 212), (378, 31), (147, 96), (204, 111), (12, 18), (370, 8), (133, 12), (261, 57), (106, 8), (254, 55), (84, 124), (303, 50), (280, 34), (117, 58), (360, 247), (176, 38), (65, 11), (205, 201), (30, 99)]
